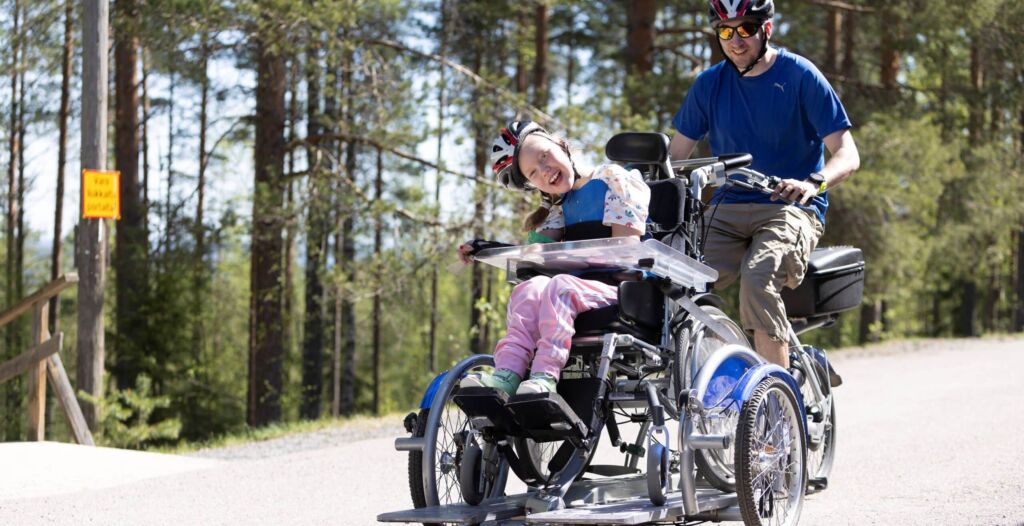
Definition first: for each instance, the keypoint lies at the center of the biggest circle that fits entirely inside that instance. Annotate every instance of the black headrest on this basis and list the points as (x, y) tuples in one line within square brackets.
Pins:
[(637, 147)]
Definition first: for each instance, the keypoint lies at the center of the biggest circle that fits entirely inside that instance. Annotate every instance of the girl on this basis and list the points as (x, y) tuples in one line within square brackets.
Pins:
[(580, 202)]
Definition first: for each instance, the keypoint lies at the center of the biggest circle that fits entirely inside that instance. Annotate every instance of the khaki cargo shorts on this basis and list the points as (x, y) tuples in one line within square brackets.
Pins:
[(767, 247)]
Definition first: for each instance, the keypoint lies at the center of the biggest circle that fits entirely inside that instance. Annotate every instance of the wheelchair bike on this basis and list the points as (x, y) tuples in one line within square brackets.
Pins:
[(720, 433)]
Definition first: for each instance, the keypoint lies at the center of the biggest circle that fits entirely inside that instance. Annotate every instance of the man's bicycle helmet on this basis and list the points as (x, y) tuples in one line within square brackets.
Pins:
[(505, 152), (720, 10)]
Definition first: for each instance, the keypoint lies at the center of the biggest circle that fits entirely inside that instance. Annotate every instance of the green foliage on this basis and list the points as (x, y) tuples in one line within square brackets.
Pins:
[(128, 416)]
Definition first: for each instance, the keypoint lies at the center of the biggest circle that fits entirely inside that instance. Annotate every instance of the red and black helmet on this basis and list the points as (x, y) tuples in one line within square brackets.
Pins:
[(720, 10), (505, 151)]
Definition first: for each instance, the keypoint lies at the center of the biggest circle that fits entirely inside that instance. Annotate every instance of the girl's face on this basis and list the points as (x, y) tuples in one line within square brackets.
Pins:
[(545, 165)]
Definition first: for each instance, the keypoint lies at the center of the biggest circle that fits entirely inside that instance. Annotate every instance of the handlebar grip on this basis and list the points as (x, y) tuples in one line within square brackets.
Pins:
[(735, 160)]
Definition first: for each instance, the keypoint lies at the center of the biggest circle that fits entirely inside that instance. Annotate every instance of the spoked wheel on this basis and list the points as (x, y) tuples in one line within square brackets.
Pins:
[(821, 429), (770, 456), (715, 465), (434, 472)]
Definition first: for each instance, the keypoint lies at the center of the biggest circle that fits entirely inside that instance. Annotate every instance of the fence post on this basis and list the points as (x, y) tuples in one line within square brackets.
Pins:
[(37, 375)]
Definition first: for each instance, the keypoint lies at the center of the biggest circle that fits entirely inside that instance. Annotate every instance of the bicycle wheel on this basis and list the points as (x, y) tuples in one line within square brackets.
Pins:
[(434, 471), (770, 456), (715, 465)]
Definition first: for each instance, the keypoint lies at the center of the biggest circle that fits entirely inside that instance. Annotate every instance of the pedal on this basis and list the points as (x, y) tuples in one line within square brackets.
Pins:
[(819, 483), (486, 409), (816, 415), (547, 417)]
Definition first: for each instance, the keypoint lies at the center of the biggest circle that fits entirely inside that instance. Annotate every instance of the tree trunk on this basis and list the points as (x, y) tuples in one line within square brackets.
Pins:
[(523, 22), (1018, 318), (130, 248), (640, 36), (968, 304), (348, 248), (168, 209), (976, 104), (91, 245), (378, 228), (316, 240), (870, 321), (289, 323), (540, 65), (145, 136), (267, 353), (62, 156), (438, 175), (890, 59), (11, 427), (849, 45), (834, 34), (199, 265)]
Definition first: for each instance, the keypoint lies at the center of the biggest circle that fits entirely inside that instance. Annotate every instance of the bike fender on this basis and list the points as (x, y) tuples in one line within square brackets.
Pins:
[(428, 397), (748, 382), (711, 299)]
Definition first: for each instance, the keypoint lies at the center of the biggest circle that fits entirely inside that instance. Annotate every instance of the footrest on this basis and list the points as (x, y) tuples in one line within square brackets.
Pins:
[(486, 409), (547, 417)]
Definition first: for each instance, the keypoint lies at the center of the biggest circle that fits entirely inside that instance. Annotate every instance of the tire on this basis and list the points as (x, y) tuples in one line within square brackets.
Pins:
[(715, 465), (434, 472), (478, 470), (771, 456), (659, 478)]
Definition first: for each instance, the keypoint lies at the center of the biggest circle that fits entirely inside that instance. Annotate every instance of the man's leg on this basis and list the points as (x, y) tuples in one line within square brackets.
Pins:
[(781, 245), (771, 349)]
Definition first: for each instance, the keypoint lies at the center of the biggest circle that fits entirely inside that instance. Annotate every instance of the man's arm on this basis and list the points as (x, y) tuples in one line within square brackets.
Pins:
[(681, 147), (842, 162), (844, 158)]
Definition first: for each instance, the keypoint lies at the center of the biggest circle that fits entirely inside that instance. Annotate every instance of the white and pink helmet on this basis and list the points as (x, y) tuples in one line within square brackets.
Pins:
[(720, 10)]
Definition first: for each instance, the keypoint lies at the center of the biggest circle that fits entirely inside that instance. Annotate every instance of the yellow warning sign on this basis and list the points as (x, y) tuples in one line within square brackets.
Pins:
[(101, 194)]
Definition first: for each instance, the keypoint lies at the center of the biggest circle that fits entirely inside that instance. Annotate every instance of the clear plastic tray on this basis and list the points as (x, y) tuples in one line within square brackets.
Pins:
[(606, 253)]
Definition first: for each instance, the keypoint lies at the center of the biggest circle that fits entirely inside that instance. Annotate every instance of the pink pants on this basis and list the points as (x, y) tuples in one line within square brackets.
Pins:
[(541, 313)]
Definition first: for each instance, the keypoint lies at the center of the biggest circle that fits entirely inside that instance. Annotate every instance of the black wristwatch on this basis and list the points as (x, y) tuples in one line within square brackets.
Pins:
[(818, 178)]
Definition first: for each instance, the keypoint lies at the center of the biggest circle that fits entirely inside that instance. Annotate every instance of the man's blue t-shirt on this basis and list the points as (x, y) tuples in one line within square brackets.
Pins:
[(780, 117)]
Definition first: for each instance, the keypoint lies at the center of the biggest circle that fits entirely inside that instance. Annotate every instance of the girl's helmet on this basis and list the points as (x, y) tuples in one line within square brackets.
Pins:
[(505, 151), (720, 10)]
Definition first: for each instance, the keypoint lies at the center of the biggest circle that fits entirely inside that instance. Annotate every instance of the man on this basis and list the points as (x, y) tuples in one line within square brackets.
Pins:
[(778, 107)]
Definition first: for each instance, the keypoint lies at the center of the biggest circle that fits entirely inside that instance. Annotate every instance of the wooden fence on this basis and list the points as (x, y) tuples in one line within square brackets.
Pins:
[(42, 361)]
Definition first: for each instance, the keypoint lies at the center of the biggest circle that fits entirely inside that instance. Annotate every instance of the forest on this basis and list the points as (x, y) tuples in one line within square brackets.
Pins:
[(296, 175)]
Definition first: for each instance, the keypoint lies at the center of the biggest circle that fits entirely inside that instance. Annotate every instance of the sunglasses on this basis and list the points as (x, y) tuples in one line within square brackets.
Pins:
[(745, 30)]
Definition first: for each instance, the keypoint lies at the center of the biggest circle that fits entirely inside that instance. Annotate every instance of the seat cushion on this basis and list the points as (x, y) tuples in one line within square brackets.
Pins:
[(597, 322)]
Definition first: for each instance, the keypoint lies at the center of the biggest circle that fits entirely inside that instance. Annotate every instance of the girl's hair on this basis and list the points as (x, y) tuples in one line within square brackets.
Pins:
[(538, 216)]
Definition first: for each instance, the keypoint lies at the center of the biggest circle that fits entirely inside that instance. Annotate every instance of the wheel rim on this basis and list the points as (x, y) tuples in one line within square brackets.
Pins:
[(452, 428), (777, 470)]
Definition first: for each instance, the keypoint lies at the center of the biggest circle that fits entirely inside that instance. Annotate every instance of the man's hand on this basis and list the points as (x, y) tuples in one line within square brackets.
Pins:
[(794, 191)]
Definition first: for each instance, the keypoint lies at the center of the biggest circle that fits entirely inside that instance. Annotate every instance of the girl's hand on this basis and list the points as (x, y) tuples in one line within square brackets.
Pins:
[(466, 252)]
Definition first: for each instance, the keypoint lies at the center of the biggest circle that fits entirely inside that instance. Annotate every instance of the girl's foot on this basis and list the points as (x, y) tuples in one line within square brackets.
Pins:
[(501, 379), (538, 383)]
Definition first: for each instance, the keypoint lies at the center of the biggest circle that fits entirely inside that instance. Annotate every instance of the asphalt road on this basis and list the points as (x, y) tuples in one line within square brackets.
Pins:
[(929, 433)]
